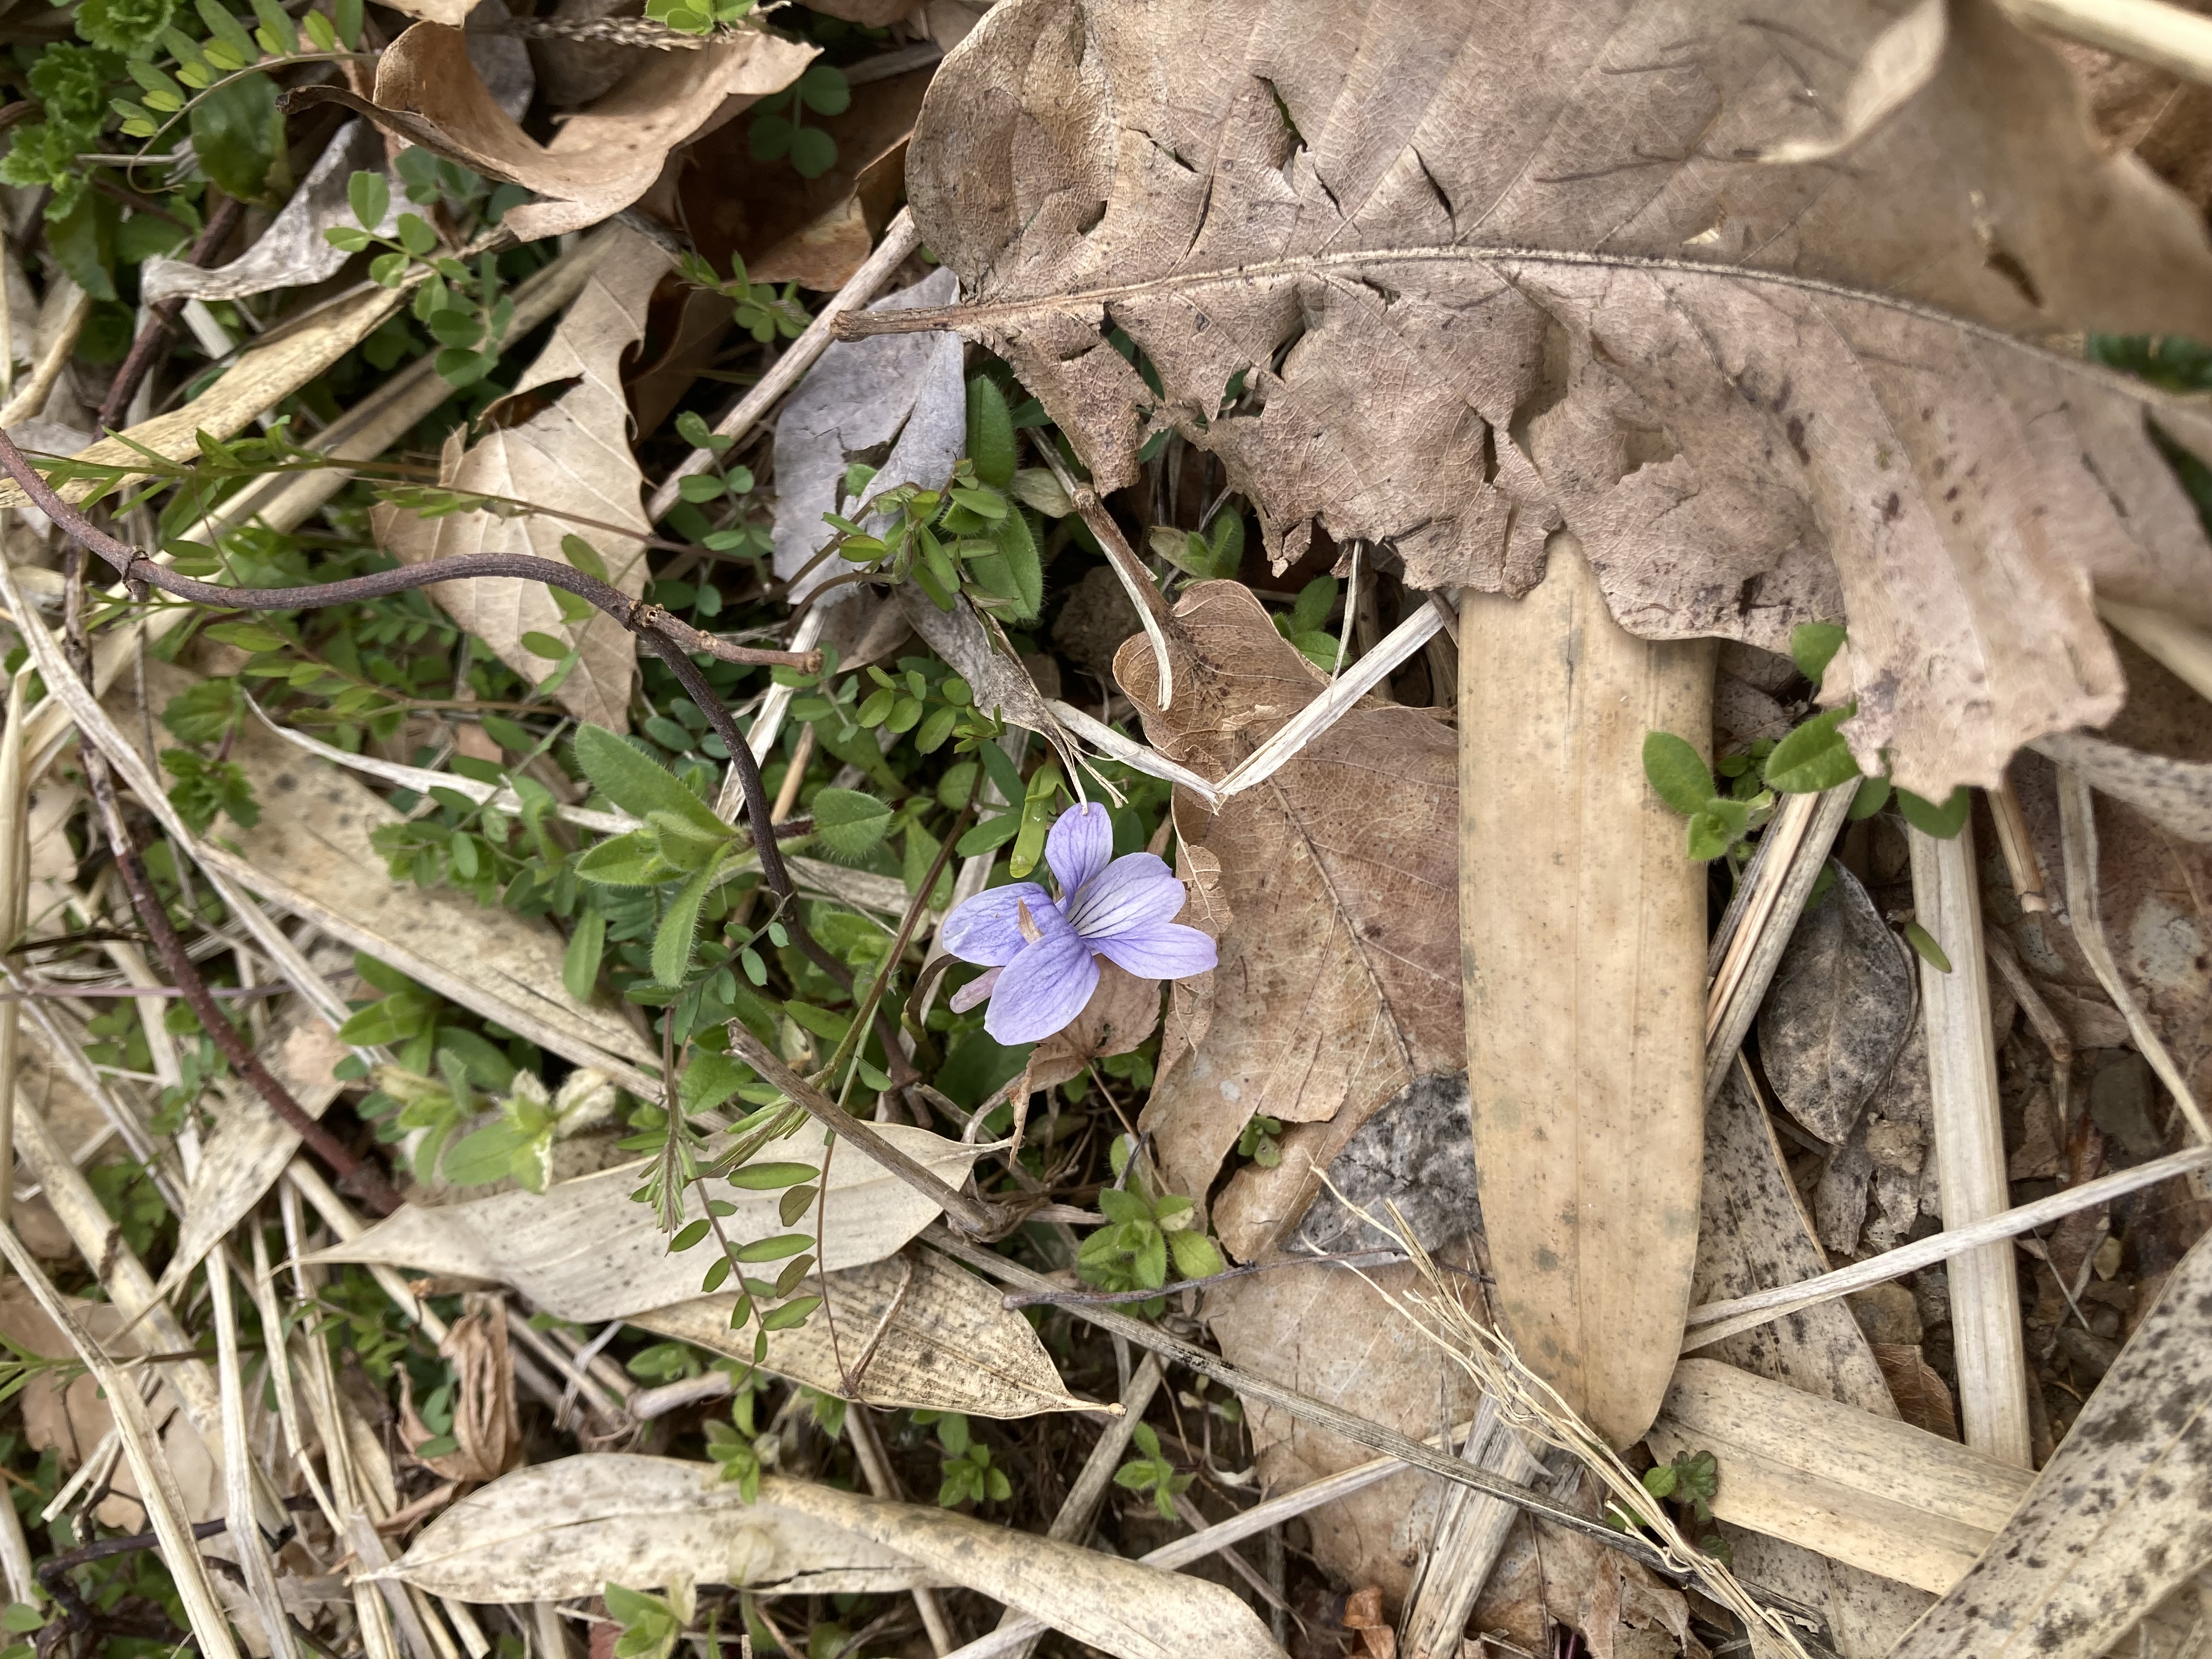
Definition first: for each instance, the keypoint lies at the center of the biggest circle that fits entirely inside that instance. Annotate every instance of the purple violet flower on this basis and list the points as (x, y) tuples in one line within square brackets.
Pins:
[(1042, 954)]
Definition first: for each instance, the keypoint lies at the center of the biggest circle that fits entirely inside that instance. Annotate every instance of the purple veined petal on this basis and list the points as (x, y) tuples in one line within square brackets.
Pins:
[(987, 929), (976, 990), (1160, 950), (1128, 893), (1043, 989), (1081, 844)]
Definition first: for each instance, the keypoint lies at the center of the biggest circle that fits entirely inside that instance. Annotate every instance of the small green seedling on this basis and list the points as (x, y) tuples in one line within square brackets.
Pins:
[(1151, 1472)]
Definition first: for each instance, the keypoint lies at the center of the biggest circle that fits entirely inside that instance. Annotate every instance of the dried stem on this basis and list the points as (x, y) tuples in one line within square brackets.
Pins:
[(161, 320)]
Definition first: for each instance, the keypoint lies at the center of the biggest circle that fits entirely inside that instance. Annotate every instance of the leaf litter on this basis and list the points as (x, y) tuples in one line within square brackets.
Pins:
[(1842, 336)]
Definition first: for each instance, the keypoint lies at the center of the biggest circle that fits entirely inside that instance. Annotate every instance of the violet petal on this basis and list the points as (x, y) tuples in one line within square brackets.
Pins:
[(1128, 893), (986, 929), (1081, 844), (976, 990), (1160, 950), (1043, 989)]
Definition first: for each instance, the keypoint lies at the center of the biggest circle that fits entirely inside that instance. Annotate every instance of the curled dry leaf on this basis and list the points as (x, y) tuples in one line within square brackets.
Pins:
[(1122, 1607), (486, 1425), (572, 456), (2117, 1518), (863, 395), (570, 1526), (1550, 279), (914, 1331), (602, 158), (583, 1250), (1338, 984), (293, 252), (1839, 1009)]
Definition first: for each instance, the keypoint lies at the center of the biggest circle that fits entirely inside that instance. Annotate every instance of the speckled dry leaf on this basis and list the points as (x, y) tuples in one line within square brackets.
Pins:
[(1870, 1491), (949, 1344), (2175, 795), (584, 1249), (1546, 277), (311, 854), (601, 159), (1339, 980), (1840, 1007), (2117, 1518), (1122, 1607), (573, 456), (570, 1526)]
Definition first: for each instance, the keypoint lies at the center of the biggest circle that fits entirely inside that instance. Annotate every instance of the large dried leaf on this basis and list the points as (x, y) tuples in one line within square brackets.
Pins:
[(1840, 1008), (2117, 1518), (572, 456), (573, 1526), (584, 1249), (312, 854), (1546, 277), (601, 159), (1123, 1607), (1339, 982), (934, 1337)]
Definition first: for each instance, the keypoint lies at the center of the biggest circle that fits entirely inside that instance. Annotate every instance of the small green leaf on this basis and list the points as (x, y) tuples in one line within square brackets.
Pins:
[(1815, 757), (1812, 647), (770, 1177), (1942, 821), (990, 431), (990, 835), (1924, 942), (791, 1315), (672, 942), (580, 965), (637, 784), (1873, 796), (585, 557), (1678, 773), (628, 860), (850, 824)]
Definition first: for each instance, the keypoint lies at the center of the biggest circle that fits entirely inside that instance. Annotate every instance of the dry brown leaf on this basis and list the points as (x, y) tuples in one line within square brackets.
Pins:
[(914, 1331), (602, 158), (2118, 1517), (1923, 1399), (567, 1527), (75, 1419), (485, 1422), (1548, 279), (1338, 984), (1548, 1576), (583, 1250), (572, 456)]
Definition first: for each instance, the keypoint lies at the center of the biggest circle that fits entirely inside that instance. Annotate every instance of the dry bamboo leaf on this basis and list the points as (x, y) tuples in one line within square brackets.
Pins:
[(572, 456), (2117, 1518), (1582, 930), (1124, 1607), (583, 1249), (602, 158), (862, 395), (309, 855), (248, 1144), (933, 1336), (1338, 984), (1870, 1491), (1548, 278), (571, 1527), (1839, 1009)]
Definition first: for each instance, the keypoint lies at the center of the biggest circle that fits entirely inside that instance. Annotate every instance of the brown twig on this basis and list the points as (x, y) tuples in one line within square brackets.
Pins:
[(161, 320)]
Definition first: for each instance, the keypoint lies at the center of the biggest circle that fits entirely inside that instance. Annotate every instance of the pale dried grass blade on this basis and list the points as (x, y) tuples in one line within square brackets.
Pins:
[(1467, 1540), (1969, 1146), (62, 317), (565, 1528), (2077, 825), (1715, 1321), (768, 724), (15, 883), (2117, 1518), (1869, 1490), (2176, 795), (912, 1332), (165, 1509), (583, 1251), (253, 1557), (2180, 645), (1104, 738), (2149, 31)]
